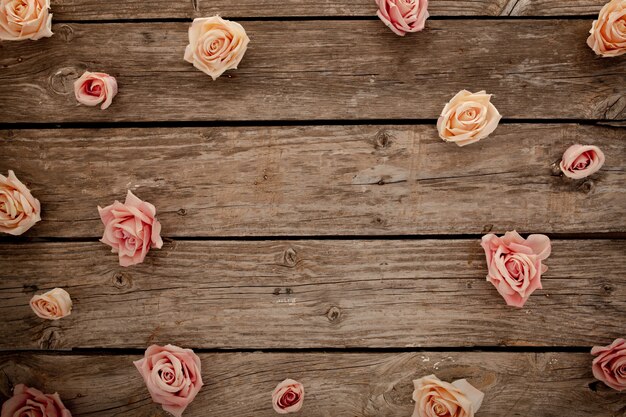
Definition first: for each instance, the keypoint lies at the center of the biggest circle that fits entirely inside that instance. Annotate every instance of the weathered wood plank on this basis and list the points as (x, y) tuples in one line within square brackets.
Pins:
[(161, 9), (336, 384), (300, 70), (320, 180), (303, 294)]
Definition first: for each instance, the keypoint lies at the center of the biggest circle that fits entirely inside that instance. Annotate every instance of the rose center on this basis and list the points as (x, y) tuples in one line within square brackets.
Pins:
[(289, 398), (168, 376)]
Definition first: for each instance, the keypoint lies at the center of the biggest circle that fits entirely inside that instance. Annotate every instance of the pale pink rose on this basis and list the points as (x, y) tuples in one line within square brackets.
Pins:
[(53, 305), (172, 376), (580, 161), (608, 33), (609, 366), (93, 88), (402, 16), (30, 402), (468, 118), (514, 264), (25, 19), (436, 398), (19, 210), (131, 229), (216, 45), (288, 397)]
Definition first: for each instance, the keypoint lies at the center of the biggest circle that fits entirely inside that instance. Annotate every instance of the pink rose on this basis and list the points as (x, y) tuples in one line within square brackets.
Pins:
[(288, 397), (131, 229), (216, 45), (53, 305), (25, 19), (608, 33), (402, 16), (580, 161), (30, 402), (93, 88), (436, 398), (609, 366), (514, 264), (172, 376), (19, 210)]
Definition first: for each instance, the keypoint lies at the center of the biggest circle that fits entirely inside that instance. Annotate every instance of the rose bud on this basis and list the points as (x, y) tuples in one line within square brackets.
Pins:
[(609, 366), (402, 16), (19, 210), (580, 161), (93, 88), (288, 397), (53, 305)]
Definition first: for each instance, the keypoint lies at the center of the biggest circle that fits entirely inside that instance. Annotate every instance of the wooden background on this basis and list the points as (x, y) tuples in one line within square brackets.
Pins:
[(315, 225)]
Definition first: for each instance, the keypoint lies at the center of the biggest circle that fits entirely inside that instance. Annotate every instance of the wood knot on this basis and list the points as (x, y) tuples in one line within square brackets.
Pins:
[(290, 258), (50, 338), (378, 221), (608, 288), (62, 81), (487, 228), (555, 169), (333, 314), (587, 186), (182, 212), (121, 280), (382, 140), (27, 288), (64, 32)]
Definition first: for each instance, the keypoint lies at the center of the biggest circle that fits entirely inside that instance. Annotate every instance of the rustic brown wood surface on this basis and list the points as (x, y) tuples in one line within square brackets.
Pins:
[(336, 384), (320, 180), (308, 294), (303, 70)]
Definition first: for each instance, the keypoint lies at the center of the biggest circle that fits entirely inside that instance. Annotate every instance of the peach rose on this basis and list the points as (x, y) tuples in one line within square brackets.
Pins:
[(216, 45), (19, 210), (468, 118), (53, 305), (30, 402), (609, 366), (172, 376), (25, 19), (514, 264), (93, 88), (436, 398), (580, 161), (402, 16), (608, 33), (131, 229), (288, 397)]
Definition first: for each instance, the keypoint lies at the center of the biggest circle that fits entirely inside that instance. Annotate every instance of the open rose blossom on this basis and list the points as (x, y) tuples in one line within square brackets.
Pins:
[(402, 16), (131, 229), (514, 264), (53, 305), (468, 118), (288, 397), (93, 88), (580, 161), (608, 33), (172, 375), (30, 402), (216, 45), (436, 398), (25, 19), (19, 210), (609, 366)]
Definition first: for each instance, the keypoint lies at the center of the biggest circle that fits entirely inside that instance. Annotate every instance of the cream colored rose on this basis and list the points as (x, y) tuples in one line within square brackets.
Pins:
[(468, 118), (53, 305), (216, 45), (25, 19), (436, 398), (19, 210), (608, 33)]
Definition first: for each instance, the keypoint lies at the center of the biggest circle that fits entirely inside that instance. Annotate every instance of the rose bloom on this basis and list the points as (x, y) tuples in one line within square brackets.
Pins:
[(514, 264), (19, 210), (402, 16), (468, 118), (131, 229), (609, 366), (172, 376), (580, 161), (30, 402), (288, 397), (93, 88), (608, 33), (436, 398), (53, 305), (25, 19), (216, 45)]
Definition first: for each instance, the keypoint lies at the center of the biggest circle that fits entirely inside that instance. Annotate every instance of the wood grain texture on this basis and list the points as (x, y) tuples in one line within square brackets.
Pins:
[(78, 10), (308, 294), (302, 70), (336, 384), (320, 180)]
